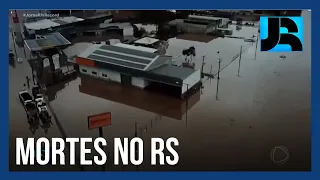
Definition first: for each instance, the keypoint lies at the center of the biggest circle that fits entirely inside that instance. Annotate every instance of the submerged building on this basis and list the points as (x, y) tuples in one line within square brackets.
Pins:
[(46, 58), (137, 66), (143, 99), (199, 24), (70, 26), (149, 42)]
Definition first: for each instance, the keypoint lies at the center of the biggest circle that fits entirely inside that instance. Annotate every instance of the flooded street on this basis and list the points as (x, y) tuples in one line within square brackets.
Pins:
[(267, 106)]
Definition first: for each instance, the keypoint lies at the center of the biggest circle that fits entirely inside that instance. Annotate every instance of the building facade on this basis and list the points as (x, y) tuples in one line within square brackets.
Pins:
[(199, 24), (67, 26)]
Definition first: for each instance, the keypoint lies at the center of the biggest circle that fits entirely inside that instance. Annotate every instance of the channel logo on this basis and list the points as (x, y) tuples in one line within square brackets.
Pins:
[(281, 34)]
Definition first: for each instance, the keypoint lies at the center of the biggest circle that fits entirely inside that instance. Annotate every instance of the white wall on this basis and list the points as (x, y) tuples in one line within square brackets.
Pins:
[(128, 31), (139, 82), (191, 81), (111, 75), (56, 61), (224, 23)]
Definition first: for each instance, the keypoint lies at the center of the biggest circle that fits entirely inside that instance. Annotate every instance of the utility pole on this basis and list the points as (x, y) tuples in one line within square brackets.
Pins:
[(217, 92), (239, 61), (14, 45), (187, 104), (255, 53), (203, 57), (210, 73), (219, 67)]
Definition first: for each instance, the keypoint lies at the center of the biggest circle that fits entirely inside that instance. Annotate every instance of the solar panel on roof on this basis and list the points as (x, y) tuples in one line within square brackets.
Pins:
[(118, 56), (117, 62), (129, 51)]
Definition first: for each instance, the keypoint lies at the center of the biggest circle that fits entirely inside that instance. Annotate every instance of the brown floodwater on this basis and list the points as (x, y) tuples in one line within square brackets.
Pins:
[(269, 105)]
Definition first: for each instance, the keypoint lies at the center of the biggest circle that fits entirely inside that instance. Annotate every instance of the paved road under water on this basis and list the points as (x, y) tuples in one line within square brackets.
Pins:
[(267, 106)]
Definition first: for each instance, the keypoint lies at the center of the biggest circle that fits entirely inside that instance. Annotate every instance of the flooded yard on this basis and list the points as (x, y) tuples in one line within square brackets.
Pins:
[(227, 49), (268, 105)]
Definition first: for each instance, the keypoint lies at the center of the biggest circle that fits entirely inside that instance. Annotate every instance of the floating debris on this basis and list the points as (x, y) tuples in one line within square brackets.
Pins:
[(283, 57), (249, 40)]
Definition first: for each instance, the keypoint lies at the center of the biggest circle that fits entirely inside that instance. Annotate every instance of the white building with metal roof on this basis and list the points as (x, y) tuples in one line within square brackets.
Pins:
[(49, 23), (134, 65)]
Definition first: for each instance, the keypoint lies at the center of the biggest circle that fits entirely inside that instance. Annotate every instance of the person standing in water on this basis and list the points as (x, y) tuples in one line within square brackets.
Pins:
[(28, 81)]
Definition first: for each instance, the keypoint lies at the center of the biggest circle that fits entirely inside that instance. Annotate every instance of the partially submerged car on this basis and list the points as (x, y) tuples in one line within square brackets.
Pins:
[(40, 104), (36, 92), (29, 105), (25, 96)]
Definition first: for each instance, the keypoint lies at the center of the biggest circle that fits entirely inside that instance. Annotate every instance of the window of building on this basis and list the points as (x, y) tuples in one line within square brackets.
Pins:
[(93, 72), (83, 70)]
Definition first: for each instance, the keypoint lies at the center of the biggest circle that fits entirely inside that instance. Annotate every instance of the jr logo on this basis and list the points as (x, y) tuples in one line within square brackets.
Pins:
[(281, 34)]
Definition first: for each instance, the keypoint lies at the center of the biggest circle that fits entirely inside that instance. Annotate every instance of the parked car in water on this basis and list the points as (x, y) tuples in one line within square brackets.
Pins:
[(36, 92), (29, 106), (40, 104), (25, 96), (11, 55)]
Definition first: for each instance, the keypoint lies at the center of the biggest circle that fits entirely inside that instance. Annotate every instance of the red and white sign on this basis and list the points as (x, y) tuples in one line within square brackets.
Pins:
[(99, 120)]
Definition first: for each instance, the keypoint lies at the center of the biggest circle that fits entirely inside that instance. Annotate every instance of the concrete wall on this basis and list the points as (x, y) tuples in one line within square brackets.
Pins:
[(128, 31), (211, 28), (112, 76), (101, 73), (224, 23), (191, 28), (190, 81)]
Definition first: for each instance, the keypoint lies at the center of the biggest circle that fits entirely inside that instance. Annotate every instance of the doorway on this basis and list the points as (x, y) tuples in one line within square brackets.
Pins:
[(126, 79)]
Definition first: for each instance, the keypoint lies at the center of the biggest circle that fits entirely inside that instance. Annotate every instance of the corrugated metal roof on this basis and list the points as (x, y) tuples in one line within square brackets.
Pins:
[(41, 24), (146, 41), (60, 22), (49, 23), (47, 42), (139, 48), (173, 71), (116, 61), (121, 56), (76, 49), (205, 17), (129, 51)]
